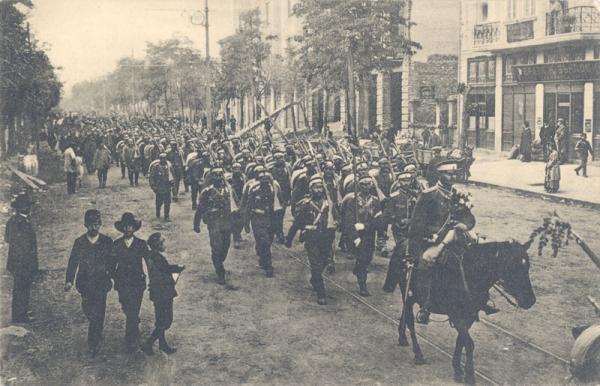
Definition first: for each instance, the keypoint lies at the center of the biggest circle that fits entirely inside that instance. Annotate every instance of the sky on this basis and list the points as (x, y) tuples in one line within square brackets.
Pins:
[(86, 38)]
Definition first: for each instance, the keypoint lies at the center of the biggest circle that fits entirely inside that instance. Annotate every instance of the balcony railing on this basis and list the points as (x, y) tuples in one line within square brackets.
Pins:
[(487, 33), (575, 19)]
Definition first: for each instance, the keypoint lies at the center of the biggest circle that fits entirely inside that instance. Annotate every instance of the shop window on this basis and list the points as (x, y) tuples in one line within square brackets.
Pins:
[(472, 72), (518, 108), (597, 52), (576, 112), (491, 70), (516, 60)]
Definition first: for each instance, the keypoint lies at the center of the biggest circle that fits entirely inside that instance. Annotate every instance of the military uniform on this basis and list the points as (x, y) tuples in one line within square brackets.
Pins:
[(174, 157), (312, 216), (196, 169), (363, 240), (281, 174), (214, 208), (259, 210), (161, 181)]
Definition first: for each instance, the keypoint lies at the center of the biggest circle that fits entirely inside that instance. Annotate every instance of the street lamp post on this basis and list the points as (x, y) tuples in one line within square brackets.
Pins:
[(208, 90)]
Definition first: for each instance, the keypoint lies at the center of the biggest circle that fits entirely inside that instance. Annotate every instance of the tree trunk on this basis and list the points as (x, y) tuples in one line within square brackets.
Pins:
[(325, 108)]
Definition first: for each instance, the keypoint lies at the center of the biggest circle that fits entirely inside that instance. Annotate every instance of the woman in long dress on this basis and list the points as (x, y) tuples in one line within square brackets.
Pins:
[(552, 180)]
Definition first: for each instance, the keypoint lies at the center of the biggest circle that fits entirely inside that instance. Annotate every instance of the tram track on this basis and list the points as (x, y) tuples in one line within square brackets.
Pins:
[(483, 375)]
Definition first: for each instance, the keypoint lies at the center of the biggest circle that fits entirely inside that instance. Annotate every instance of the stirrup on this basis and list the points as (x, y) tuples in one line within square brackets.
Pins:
[(423, 316)]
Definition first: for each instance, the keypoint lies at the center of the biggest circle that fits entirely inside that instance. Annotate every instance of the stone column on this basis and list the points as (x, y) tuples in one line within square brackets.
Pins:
[(384, 107), (539, 109), (588, 110), (498, 105), (438, 113)]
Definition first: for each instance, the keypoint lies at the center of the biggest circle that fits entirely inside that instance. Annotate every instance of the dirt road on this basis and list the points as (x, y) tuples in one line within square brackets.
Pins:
[(271, 331)]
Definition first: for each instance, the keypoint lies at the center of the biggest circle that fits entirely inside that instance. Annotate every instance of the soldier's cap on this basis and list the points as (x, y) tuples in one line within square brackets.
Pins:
[(365, 179), (447, 166), (405, 176), (173, 143), (314, 180), (347, 168), (328, 165), (259, 169), (22, 201), (278, 152), (436, 149), (307, 158), (216, 170), (410, 168), (163, 155), (236, 165), (269, 159), (250, 167)]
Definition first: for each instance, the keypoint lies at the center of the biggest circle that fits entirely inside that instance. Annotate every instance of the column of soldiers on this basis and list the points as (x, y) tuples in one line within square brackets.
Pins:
[(246, 185)]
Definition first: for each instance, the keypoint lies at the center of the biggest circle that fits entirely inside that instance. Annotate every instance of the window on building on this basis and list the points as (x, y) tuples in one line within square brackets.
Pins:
[(517, 60), (483, 14), (512, 9), (529, 8), (564, 54), (597, 52), (482, 70)]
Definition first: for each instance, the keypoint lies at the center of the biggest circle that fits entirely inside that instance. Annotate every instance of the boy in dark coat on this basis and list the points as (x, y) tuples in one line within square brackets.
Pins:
[(22, 260), (90, 259), (162, 292)]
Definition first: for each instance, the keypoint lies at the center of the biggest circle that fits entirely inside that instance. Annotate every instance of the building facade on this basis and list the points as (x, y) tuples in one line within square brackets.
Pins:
[(385, 97), (529, 61)]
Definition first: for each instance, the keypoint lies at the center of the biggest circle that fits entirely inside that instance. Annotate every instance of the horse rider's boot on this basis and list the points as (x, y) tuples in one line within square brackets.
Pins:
[(423, 314), (489, 310)]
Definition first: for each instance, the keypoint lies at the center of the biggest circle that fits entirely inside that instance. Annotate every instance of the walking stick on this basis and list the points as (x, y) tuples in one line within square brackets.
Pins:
[(409, 272)]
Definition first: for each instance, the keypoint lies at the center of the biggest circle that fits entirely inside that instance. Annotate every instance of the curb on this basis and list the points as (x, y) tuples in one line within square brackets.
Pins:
[(529, 193)]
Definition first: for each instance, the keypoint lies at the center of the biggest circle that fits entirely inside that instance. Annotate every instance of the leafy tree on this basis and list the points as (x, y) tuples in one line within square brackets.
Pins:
[(362, 35), (29, 88)]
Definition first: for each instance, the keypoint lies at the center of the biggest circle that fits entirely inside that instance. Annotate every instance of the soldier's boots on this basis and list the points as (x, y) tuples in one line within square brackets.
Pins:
[(167, 349), (423, 316), (269, 272), (331, 268), (362, 288), (221, 278)]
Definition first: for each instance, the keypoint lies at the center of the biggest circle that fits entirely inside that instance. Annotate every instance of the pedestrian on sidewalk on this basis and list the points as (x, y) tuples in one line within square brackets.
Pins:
[(102, 163), (526, 143), (22, 260), (583, 147), (127, 269), (560, 140), (547, 139), (70, 167), (552, 178), (162, 291), (90, 259)]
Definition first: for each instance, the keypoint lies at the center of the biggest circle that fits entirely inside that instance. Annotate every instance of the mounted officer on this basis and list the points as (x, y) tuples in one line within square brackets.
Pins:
[(438, 223)]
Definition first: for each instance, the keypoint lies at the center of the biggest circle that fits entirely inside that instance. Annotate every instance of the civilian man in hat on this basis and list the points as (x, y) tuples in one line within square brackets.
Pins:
[(128, 254), (583, 147), (313, 218), (365, 223), (161, 181), (91, 260), (162, 292), (70, 167), (214, 208), (22, 260)]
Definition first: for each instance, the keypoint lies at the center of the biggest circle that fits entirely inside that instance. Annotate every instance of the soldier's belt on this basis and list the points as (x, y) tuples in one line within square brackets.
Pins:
[(310, 227)]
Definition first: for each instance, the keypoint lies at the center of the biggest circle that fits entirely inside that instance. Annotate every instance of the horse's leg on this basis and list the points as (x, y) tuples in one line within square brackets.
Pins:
[(469, 365), (458, 371), (410, 322), (402, 340)]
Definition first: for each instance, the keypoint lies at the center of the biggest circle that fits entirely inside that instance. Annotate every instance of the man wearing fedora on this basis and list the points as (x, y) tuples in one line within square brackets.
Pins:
[(128, 254), (90, 260), (22, 260)]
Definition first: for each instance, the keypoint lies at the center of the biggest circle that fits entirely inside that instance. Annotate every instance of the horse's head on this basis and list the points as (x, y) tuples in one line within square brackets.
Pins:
[(514, 278)]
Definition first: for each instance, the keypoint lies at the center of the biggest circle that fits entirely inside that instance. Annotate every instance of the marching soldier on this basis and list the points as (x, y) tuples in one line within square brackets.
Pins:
[(174, 157), (214, 208), (161, 182), (312, 217), (384, 178), (281, 173), (196, 168), (362, 212), (90, 259), (236, 181), (397, 211), (301, 180), (258, 209)]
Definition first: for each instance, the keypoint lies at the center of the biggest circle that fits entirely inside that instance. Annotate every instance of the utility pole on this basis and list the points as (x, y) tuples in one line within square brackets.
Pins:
[(209, 80), (132, 84)]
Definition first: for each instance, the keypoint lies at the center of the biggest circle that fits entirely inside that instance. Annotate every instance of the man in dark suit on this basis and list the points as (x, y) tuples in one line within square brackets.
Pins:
[(127, 270), (90, 259), (22, 259), (162, 292)]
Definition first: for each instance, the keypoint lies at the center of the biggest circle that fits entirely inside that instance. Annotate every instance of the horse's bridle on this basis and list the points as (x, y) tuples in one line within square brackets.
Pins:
[(498, 286)]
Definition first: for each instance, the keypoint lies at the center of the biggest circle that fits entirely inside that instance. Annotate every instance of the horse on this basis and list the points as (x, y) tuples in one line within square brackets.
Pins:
[(461, 290)]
